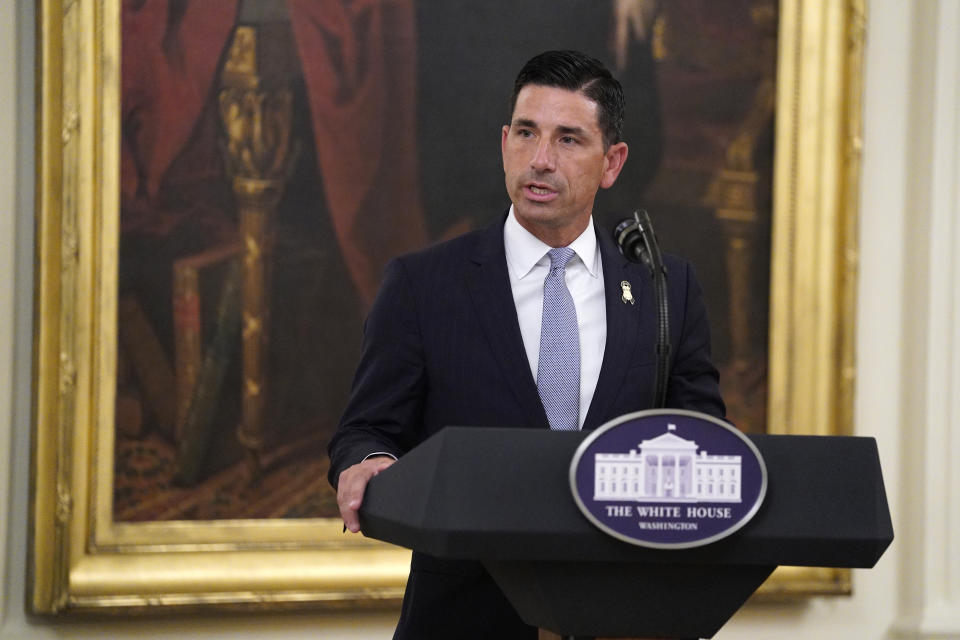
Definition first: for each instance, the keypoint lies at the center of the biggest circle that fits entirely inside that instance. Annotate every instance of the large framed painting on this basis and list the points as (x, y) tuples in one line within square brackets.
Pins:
[(221, 183)]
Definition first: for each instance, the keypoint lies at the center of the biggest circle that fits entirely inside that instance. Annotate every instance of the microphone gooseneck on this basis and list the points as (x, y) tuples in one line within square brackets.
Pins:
[(638, 243)]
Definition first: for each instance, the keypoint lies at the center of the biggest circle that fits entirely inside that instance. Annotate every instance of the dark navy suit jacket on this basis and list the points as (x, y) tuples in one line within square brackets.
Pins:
[(442, 346)]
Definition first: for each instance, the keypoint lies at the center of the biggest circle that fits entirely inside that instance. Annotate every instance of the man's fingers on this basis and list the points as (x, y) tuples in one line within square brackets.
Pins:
[(352, 483), (380, 463), (351, 486)]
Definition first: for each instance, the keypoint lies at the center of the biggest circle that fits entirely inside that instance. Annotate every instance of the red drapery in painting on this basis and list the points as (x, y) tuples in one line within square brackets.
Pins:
[(358, 62)]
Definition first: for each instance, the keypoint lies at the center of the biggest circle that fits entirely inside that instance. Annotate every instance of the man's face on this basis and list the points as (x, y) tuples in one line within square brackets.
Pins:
[(554, 162)]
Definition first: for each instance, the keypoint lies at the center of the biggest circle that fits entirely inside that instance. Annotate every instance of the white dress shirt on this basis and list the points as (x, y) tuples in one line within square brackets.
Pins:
[(528, 265)]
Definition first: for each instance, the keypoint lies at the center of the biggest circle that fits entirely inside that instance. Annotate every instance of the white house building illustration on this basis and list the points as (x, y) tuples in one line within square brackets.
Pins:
[(667, 469)]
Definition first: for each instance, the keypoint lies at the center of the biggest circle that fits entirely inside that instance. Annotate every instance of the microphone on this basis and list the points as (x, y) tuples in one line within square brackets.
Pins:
[(628, 236), (638, 243)]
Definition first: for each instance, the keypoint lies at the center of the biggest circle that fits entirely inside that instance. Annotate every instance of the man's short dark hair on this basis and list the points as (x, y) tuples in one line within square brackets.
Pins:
[(577, 71)]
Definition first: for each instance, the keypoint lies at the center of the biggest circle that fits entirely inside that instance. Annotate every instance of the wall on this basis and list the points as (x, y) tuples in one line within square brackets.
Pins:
[(908, 371), (8, 209), (8, 44)]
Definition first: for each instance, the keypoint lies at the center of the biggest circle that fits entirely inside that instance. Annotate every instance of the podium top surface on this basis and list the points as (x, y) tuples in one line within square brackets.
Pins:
[(504, 494)]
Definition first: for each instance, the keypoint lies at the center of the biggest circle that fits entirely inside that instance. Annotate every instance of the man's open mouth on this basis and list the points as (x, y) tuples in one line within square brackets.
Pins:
[(539, 192)]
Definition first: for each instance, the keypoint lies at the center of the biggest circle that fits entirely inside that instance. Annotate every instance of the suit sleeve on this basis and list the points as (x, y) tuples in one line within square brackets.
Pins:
[(384, 412), (694, 380)]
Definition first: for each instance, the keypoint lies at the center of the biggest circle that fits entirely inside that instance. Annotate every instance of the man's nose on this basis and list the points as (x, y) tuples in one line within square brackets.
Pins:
[(544, 158)]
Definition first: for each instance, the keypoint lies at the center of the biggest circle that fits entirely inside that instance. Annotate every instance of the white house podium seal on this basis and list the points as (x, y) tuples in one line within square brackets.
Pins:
[(668, 479)]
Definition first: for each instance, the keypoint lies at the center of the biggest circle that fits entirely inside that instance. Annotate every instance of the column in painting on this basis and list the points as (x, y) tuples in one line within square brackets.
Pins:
[(256, 110)]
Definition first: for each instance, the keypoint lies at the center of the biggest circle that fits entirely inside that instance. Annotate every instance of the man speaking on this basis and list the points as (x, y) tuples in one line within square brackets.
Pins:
[(536, 321)]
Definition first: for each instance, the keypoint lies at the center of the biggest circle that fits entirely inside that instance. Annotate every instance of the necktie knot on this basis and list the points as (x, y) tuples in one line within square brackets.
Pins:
[(559, 257)]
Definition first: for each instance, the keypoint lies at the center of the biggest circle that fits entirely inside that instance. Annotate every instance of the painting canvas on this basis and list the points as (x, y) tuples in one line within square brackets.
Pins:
[(276, 154), (219, 186)]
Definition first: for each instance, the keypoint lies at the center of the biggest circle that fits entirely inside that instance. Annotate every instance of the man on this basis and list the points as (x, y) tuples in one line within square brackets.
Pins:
[(527, 323)]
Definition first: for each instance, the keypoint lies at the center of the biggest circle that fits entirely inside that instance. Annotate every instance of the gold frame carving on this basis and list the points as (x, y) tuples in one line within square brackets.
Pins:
[(814, 254), (83, 561)]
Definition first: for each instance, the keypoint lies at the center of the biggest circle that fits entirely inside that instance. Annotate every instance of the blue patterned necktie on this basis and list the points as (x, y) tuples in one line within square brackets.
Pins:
[(558, 367)]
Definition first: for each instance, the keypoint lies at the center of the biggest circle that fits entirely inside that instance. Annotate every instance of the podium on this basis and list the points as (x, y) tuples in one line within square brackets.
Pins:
[(502, 496)]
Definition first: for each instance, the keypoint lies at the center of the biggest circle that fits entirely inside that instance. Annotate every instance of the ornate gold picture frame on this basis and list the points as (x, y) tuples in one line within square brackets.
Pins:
[(82, 560)]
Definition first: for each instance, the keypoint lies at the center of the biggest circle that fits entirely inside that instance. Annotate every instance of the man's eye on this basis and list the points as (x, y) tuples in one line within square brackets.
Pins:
[(525, 133), (568, 140)]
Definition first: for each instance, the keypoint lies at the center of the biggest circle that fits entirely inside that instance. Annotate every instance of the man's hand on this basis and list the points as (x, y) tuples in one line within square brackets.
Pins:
[(351, 485)]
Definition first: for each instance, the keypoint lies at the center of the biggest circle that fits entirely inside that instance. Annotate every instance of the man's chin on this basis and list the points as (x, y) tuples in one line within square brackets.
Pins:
[(550, 224), (541, 214)]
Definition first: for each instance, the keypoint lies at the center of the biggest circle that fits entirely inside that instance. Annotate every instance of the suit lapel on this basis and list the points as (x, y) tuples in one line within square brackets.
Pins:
[(489, 285), (623, 328)]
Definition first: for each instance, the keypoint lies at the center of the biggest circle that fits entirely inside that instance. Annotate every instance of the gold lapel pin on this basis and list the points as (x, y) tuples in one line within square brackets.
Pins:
[(626, 294)]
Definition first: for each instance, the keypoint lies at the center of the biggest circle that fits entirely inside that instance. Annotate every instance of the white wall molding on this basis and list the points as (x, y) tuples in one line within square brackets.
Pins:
[(8, 168), (930, 422)]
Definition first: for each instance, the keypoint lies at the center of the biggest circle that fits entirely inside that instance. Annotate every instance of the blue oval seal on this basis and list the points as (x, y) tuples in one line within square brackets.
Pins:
[(668, 478)]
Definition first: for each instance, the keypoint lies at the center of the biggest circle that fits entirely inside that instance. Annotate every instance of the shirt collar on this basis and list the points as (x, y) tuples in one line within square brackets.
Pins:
[(524, 250)]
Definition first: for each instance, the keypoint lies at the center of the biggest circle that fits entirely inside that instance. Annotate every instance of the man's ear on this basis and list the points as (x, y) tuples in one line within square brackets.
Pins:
[(503, 143), (614, 159)]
